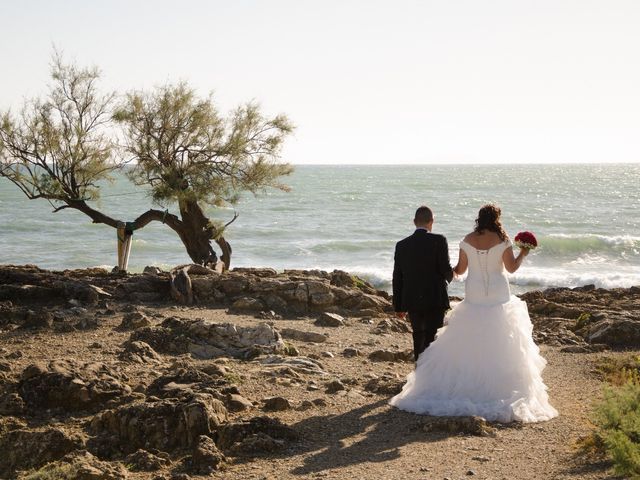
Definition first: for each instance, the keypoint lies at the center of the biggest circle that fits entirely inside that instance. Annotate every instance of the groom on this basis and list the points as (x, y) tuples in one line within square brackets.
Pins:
[(421, 272)]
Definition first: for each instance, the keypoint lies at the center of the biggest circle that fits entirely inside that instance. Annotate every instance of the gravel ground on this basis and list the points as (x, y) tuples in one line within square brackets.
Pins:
[(355, 434)]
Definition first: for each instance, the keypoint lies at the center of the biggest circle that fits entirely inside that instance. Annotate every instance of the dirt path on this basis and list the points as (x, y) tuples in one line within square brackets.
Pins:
[(370, 440)]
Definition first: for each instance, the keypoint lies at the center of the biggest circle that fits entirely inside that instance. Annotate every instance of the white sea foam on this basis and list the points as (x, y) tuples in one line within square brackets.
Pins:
[(568, 278)]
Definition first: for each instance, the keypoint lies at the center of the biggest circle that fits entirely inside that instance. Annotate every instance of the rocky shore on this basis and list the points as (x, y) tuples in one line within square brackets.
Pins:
[(192, 373)]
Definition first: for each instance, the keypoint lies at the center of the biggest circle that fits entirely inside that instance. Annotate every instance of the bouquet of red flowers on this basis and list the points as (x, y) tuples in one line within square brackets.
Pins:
[(526, 240)]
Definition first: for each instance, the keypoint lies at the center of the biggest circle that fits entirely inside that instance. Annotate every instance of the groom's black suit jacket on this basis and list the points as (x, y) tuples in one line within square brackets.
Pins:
[(421, 271)]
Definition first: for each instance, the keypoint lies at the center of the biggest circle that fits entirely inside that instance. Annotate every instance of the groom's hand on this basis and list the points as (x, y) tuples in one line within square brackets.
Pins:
[(401, 315)]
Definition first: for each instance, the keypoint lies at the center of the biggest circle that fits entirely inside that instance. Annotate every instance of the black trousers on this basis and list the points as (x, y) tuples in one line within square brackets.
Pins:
[(425, 324)]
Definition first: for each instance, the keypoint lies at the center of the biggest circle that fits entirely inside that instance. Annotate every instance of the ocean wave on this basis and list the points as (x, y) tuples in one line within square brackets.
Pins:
[(565, 278), (577, 243)]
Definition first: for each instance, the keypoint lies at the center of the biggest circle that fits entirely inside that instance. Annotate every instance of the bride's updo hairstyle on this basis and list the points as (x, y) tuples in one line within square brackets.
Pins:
[(489, 220)]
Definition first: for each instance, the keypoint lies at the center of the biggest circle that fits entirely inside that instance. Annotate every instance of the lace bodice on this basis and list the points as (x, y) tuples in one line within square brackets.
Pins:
[(487, 282)]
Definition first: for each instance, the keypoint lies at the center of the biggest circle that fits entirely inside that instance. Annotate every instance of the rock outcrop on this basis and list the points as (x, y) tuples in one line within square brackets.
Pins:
[(71, 385), (210, 340), (586, 318), (165, 425)]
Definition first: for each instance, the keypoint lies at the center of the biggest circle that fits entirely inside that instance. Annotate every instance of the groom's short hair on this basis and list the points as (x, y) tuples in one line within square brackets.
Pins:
[(424, 215)]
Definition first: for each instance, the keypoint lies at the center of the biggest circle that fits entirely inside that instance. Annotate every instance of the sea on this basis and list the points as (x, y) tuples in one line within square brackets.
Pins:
[(349, 217)]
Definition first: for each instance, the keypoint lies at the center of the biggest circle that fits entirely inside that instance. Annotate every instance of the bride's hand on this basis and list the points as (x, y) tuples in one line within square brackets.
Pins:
[(524, 252)]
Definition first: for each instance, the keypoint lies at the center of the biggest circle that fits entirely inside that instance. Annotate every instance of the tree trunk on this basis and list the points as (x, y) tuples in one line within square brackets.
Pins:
[(196, 234), (193, 228)]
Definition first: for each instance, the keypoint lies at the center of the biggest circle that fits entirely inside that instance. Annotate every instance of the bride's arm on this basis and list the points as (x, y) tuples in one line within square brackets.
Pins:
[(512, 263), (463, 263)]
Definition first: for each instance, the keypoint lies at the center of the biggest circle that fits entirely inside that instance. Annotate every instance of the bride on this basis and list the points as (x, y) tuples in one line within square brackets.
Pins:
[(484, 361)]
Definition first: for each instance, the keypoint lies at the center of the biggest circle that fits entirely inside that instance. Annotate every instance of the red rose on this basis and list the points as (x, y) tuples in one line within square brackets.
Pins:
[(526, 240)]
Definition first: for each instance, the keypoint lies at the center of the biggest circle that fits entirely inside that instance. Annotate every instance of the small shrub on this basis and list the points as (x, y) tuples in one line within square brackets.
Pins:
[(619, 370), (617, 420), (582, 321), (53, 471)]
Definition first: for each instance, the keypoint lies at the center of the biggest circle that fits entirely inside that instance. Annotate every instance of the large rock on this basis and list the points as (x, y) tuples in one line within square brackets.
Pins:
[(23, 449), (303, 336), (210, 340), (11, 404), (139, 352), (206, 457), (327, 319), (186, 380), (145, 461), (134, 320), (297, 364), (618, 333), (166, 425), (253, 437), (391, 356), (72, 385)]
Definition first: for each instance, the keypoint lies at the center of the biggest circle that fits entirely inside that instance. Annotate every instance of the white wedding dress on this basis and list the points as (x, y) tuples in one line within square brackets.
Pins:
[(484, 361)]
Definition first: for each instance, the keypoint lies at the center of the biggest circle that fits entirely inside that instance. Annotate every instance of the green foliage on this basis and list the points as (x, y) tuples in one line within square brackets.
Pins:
[(53, 471), (58, 147), (290, 350), (617, 416), (619, 370), (187, 152), (582, 321), (617, 419)]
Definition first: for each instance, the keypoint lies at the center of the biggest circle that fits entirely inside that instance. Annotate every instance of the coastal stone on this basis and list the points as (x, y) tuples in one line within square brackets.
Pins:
[(351, 352), (181, 286), (275, 302), (165, 425), (38, 319), (86, 322), (206, 457), (276, 404), (145, 461), (139, 352), (303, 336), (620, 333), (72, 385), (134, 320), (268, 315), (334, 386), (258, 272), (23, 449), (328, 319), (391, 356), (150, 270), (237, 403), (248, 304), (292, 291), (255, 436), (392, 325), (210, 340), (183, 380), (303, 365), (385, 385), (12, 404)]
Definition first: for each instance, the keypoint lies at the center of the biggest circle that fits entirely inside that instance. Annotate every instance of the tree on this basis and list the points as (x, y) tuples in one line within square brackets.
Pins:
[(59, 148)]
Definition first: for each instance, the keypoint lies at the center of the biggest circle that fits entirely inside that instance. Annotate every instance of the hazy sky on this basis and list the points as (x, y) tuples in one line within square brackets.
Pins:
[(367, 81)]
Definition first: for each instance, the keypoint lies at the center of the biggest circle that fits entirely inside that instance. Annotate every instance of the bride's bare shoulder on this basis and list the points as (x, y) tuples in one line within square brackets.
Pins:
[(470, 237)]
